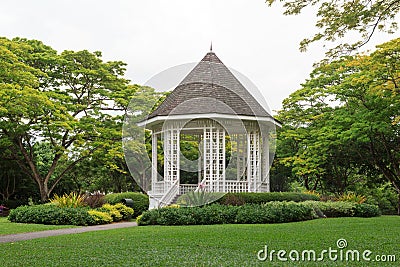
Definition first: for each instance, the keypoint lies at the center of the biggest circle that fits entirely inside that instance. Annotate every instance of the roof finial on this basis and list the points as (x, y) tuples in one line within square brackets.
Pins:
[(211, 47)]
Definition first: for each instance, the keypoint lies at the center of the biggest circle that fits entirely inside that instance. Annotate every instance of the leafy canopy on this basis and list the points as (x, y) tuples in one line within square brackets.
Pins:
[(345, 19)]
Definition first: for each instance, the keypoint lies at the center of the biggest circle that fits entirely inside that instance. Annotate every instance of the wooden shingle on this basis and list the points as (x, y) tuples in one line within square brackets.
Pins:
[(209, 88)]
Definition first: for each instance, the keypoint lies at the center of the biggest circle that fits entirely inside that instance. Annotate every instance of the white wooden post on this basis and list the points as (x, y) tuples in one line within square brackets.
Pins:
[(223, 162), (248, 161), (265, 160), (153, 161), (206, 154), (216, 163)]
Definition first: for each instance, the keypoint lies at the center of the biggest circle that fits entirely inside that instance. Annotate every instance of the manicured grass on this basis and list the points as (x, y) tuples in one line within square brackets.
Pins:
[(215, 245), (7, 227)]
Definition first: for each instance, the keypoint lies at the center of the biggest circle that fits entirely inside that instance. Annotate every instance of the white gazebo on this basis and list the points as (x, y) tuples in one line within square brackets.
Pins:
[(230, 128)]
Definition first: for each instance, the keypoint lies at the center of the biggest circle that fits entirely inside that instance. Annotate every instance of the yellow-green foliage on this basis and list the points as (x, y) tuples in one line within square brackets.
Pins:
[(352, 197), (100, 217), (174, 206), (125, 211), (112, 211), (312, 192), (73, 200), (139, 218)]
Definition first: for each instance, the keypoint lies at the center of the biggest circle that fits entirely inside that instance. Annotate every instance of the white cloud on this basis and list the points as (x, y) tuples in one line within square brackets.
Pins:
[(154, 35)]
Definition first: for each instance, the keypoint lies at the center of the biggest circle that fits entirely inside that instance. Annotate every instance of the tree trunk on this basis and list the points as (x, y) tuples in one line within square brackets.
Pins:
[(398, 204), (44, 191)]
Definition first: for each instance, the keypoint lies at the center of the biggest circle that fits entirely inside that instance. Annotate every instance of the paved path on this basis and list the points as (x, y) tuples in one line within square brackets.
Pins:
[(40, 234)]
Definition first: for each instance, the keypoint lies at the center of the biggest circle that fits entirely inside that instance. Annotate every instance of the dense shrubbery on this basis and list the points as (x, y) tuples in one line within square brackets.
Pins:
[(53, 214), (366, 210), (343, 209), (273, 212), (270, 212), (259, 198), (73, 200), (100, 217), (384, 196), (140, 201), (95, 200)]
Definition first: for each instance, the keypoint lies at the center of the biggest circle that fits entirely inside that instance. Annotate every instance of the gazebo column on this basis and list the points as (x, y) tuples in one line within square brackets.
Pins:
[(248, 162), (214, 159), (265, 161), (200, 161), (222, 161), (171, 157), (253, 161), (241, 155), (153, 161)]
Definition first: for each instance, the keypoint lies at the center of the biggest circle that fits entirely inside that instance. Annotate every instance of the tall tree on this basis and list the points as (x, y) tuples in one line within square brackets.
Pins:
[(349, 109), (337, 19), (70, 100)]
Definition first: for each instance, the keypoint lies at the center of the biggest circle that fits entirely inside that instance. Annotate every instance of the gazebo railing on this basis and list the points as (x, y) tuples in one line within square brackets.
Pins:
[(235, 186), (224, 186), (186, 188), (170, 194), (158, 187), (230, 186)]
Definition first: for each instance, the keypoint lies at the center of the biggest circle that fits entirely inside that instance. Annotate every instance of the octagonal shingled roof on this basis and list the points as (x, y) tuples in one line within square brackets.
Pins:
[(209, 88)]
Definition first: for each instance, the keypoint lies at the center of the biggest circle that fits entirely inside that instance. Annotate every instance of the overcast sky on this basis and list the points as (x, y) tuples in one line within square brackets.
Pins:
[(154, 35)]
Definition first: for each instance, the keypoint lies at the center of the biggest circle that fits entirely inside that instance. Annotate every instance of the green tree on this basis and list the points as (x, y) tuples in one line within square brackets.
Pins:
[(74, 101), (336, 19), (347, 115)]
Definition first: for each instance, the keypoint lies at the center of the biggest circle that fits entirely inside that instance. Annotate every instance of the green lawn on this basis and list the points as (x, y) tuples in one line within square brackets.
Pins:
[(7, 227), (215, 245)]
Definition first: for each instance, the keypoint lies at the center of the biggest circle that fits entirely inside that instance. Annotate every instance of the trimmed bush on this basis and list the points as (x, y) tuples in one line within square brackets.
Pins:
[(274, 212), (100, 217), (260, 198), (126, 212), (51, 214), (140, 201), (366, 210), (193, 199), (111, 211), (334, 209)]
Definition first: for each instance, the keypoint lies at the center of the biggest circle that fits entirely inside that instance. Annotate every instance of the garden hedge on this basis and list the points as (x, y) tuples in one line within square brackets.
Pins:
[(53, 214), (332, 209), (272, 212), (259, 198), (140, 201)]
